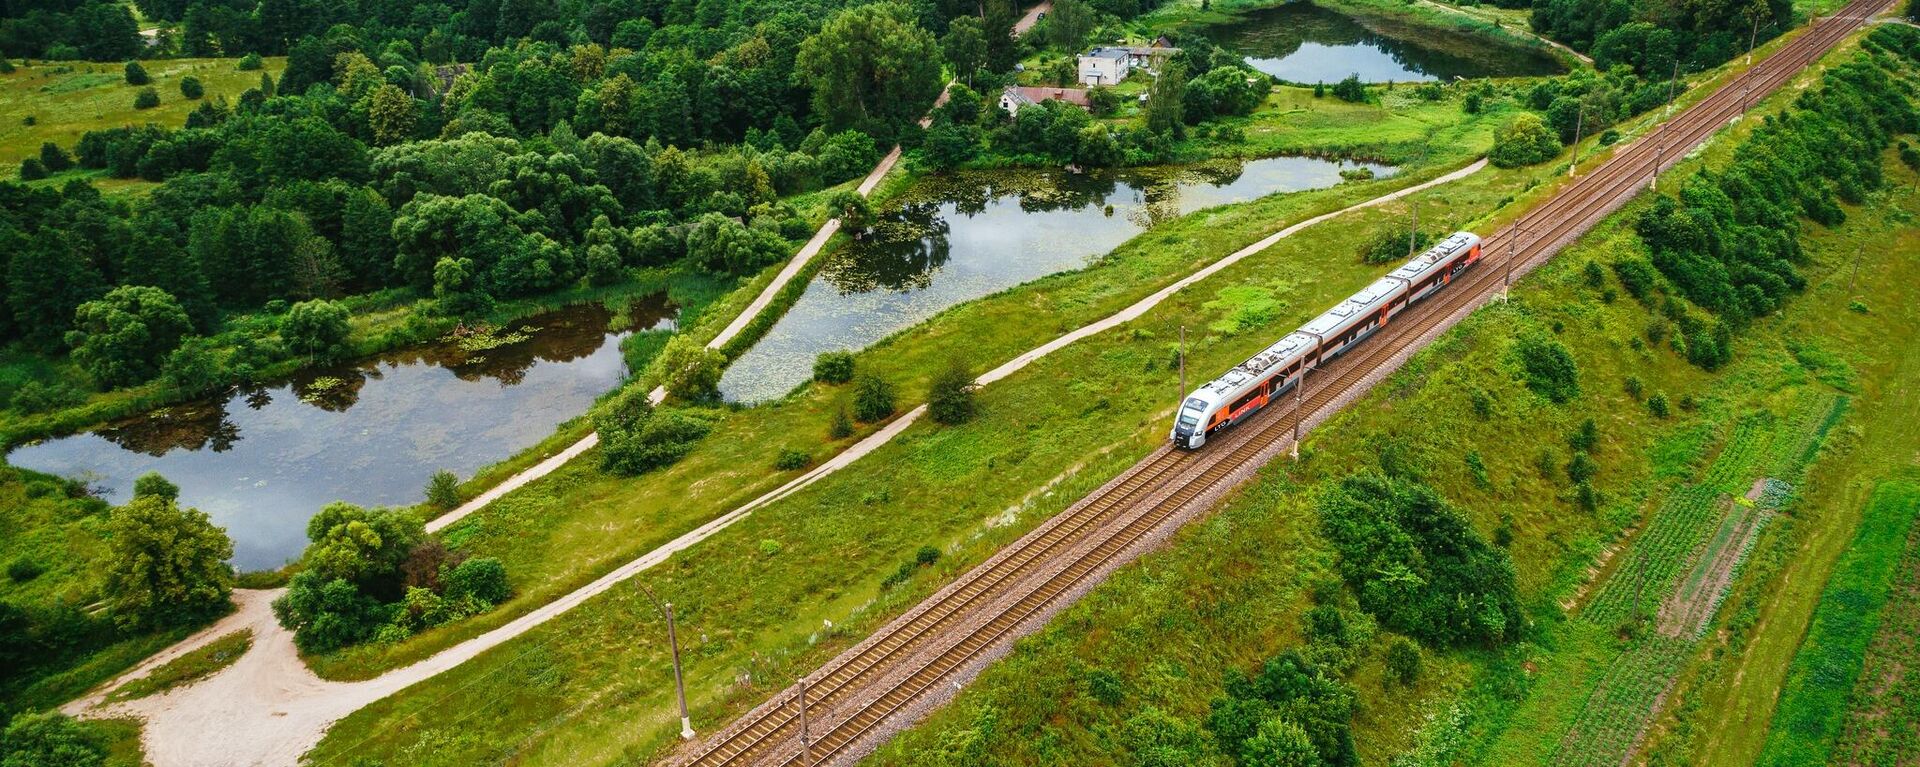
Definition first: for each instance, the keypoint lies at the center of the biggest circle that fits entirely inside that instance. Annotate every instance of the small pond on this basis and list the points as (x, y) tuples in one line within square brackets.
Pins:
[(957, 238), (1304, 43), (261, 461)]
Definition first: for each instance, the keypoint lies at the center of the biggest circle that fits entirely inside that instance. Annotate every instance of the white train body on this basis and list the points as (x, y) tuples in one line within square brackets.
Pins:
[(1253, 384)]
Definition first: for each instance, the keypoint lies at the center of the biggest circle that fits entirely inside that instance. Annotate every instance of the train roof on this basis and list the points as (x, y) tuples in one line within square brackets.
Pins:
[(1441, 251), (1358, 303)]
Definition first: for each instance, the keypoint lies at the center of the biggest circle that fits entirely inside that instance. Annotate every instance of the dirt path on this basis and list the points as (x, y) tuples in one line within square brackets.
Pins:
[(271, 708), (794, 266)]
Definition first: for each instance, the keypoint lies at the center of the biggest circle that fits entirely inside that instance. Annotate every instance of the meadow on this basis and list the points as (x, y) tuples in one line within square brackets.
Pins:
[(58, 101)]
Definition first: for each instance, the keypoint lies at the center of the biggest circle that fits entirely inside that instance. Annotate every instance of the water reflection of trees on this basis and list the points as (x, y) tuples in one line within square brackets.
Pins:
[(201, 426), (900, 251), (1279, 32)]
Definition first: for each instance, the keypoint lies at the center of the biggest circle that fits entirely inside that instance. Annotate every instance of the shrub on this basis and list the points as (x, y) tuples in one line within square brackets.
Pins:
[(195, 367), (659, 439), (770, 547), (55, 158), (1584, 438), (249, 63), (833, 367), (326, 614), (165, 565), (480, 578), (1580, 468), (40, 397), (50, 739), (152, 484), (842, 426), (950, 395), (1657, 405), (1634, 387), (791, 459), (689, 370), (1350, 89), (23, 569), (1417, 563), (1403, 661), (31, 169), (147, 98), (1524, 140), (872, 398), (443, 489), (1548, 367), (136, 74), (1104, 686), (191, 88), (317, 328), (926, 556)]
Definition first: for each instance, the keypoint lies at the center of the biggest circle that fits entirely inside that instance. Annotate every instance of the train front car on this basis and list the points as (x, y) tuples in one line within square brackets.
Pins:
[(1195, 417)]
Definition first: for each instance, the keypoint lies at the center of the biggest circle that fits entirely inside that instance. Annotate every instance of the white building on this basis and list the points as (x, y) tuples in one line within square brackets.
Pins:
[(1104, 66)]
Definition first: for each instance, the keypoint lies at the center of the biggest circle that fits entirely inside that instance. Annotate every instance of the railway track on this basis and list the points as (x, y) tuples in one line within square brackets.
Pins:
[(853, 695)]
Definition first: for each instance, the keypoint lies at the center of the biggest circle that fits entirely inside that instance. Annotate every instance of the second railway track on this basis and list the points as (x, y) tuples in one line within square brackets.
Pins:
[(850, 697)]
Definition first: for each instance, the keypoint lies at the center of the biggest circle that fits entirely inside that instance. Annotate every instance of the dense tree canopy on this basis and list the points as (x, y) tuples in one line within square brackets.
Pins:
[(167, 565), (122, 338), (1418, 564)]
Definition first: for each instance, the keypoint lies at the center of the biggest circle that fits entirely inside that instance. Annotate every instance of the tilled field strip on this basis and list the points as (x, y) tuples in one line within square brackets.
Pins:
[(854, 700)]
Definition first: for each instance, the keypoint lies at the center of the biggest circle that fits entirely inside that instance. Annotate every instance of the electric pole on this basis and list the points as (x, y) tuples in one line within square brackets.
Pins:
[(1413, 232), (806, 744), (673, 641), (1299, 394), (1183, 372), (1579, 126)]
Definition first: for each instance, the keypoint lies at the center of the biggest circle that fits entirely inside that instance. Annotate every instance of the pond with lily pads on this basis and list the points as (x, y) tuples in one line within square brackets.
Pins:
[(960, 237), (261, 460), (1303, 43)]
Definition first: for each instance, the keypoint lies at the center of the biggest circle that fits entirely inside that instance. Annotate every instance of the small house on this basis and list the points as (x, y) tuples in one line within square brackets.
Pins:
[(1104, 66), (1015, 97), (1148, 57)]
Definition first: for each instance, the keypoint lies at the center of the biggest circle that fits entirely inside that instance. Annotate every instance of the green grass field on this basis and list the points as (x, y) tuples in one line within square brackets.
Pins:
[(1819, 700), (1228, 592), (1076, 418), (68, 98)]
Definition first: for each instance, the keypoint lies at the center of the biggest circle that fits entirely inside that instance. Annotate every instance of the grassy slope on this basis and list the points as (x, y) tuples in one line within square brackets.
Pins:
[(1814, 702), (963, 488), (1228, 591), (541, 533), (69, 98), (66, 537)]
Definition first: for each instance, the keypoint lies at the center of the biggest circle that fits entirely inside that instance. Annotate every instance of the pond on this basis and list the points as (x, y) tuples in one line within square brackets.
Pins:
[(1304, 43), (960, 237), (261, 461)]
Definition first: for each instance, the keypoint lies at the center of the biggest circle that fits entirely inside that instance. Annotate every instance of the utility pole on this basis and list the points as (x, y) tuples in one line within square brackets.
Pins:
[(1753, 38), (1579, 126), (1672, 85), (806, 743), (1506, 283), (1299, 394), (673, 641), (1653, 179), (1183, 372), (1413, 232)]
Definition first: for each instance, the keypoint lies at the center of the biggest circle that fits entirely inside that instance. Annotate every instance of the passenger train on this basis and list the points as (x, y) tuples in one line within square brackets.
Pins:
[(1249, 386)]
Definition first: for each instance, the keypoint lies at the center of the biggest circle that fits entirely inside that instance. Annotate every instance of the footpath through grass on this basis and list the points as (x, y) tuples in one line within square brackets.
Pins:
[(593, 685), (1230, 591)]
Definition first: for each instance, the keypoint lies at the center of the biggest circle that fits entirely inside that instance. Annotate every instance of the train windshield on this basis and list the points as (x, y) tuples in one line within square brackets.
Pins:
[(1190, 415)]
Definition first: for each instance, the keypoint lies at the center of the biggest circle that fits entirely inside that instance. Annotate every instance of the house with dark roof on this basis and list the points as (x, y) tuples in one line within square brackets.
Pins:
[(1015, 97)]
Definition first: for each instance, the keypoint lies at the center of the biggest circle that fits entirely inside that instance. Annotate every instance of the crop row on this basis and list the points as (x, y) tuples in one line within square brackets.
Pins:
[(1620, 707), (1647, 571), (1883, 713)]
